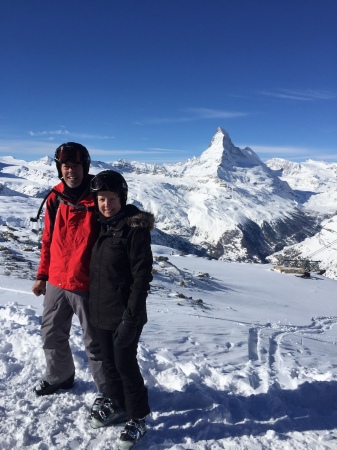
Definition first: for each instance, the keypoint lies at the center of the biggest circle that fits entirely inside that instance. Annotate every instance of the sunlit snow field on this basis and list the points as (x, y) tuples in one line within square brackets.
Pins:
[(235, 356)]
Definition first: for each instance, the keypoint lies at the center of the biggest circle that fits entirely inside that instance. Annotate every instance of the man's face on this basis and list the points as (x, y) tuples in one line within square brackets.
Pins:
[(72, 174)]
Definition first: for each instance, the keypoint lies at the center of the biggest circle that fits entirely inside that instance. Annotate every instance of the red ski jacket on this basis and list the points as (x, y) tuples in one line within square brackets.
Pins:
[(70, 231)]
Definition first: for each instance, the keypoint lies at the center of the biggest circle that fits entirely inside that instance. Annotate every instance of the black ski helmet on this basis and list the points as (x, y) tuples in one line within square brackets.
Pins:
[(110, 180), (74, 152)]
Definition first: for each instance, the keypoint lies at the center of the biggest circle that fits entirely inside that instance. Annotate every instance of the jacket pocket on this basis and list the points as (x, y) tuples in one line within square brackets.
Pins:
[(122, 295)]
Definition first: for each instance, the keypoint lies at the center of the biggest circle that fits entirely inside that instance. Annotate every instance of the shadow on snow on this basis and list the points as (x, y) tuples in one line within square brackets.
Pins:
[(214, 415)]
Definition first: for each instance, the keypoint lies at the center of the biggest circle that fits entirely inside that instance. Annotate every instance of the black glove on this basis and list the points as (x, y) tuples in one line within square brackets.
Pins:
[(126, 331)]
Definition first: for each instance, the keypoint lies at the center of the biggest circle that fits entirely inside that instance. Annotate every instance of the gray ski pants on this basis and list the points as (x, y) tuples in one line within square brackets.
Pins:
[(59, 307)]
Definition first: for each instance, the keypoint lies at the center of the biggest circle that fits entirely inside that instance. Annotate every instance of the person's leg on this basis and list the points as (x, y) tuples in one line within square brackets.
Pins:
[(114, 384), (55, 329), (79, 303), (136, 396), (110, 409)]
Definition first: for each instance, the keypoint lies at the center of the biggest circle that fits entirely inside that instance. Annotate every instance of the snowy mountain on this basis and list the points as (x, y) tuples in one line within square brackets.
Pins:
[(315, 184), (319, 249), (236, 207), (227, 204)]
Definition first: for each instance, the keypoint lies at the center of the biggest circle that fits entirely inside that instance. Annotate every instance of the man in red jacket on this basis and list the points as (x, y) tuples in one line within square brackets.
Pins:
[(70, 231)]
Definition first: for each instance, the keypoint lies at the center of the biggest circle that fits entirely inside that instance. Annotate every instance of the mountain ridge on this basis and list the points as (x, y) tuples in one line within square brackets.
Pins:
[(226, 204)]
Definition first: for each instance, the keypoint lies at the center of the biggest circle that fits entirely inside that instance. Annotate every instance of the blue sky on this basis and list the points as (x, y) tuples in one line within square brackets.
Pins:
[(152, 80)]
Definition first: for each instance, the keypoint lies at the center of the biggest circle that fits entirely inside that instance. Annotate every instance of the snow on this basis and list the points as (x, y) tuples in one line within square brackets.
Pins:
[(218, 202), (235, 356), (315, 182), (321, 248)]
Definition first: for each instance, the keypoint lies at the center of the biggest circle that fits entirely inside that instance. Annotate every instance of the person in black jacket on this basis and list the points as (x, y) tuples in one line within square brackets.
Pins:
[(120, 276)]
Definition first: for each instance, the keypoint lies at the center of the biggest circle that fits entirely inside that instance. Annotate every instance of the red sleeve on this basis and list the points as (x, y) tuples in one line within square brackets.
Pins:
[(49, 221)]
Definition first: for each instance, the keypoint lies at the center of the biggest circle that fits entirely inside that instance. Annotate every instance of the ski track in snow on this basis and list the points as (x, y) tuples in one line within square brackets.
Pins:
[(188, 387), (262, 391)]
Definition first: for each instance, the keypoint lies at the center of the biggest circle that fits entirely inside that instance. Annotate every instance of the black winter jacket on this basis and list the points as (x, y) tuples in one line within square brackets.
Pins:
[(121, 270)]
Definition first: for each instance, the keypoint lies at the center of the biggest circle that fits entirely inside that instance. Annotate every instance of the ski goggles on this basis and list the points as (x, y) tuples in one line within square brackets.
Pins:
[(104, 182), (66, 153)]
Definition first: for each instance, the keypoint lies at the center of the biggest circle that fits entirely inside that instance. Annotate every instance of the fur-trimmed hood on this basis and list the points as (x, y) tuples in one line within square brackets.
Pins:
[(131, 215), (141, 219)]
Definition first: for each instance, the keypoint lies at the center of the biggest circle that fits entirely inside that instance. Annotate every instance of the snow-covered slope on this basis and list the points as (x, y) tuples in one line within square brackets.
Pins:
[(30, 178), (314, 182), (236, 356), (320, 249)]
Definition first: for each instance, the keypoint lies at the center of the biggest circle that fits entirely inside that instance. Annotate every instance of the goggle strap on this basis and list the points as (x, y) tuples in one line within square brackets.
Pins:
[(99, 181)]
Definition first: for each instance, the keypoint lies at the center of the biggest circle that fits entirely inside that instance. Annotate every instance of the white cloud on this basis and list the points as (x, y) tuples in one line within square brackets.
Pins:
[(12, 147), (121, 152), (208, 113), (293, 153), (162, 120), (194, 114), (280, 149), (302, 95), (26, 147), (51, 134), (164, 150), (48, 133)]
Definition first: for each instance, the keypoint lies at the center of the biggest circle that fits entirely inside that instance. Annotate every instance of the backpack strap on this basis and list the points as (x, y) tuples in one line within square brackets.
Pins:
[(35, 219), (62, 200), (79, 207)]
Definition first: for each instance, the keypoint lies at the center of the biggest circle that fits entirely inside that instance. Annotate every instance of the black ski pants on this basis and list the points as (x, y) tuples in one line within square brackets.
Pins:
[(124, 381)]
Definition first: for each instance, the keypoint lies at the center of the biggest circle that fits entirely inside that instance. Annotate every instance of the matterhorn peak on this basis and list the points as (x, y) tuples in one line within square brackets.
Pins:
[(222, 131), (223, 156), (220, 141)]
